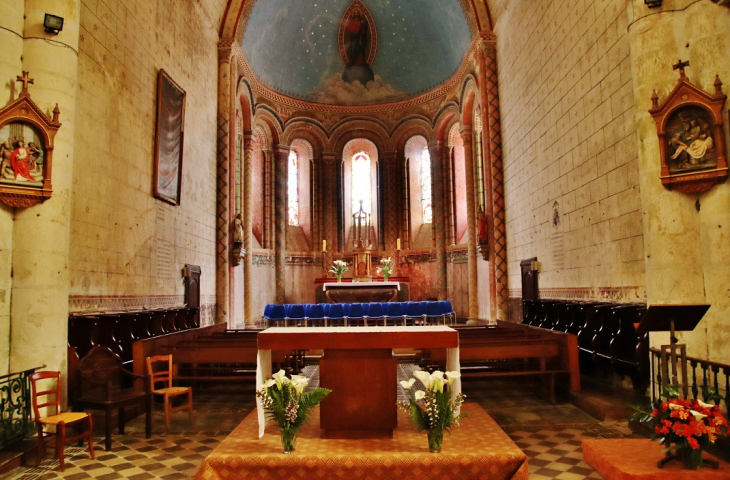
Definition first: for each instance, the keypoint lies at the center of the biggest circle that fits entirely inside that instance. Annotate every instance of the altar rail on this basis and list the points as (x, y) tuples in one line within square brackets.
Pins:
[(608, 342), (15, 407), (119, 330), (700, 373)]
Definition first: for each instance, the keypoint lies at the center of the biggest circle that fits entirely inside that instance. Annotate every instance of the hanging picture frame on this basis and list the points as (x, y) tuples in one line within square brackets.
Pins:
[(26, 150), (691, 136), (169, 137)]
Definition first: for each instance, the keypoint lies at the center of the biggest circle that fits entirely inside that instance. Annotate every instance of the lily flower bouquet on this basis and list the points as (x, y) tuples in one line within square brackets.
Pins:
[(285, 401), (386, 268), (433, 409), (338, 268)]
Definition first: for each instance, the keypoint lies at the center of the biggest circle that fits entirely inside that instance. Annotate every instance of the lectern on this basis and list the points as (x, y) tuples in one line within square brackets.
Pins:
[(673, 318)]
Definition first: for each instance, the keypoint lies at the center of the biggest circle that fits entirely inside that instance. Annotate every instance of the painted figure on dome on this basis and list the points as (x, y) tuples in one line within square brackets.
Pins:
[(356, 37)]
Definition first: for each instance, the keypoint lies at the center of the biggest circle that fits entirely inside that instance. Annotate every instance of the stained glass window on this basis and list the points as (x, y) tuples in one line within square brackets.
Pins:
[(426, 202), (361, 182), (293, 188)]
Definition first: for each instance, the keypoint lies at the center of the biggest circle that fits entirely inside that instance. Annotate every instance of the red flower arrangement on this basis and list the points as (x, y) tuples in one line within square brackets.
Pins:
[(687, 426)]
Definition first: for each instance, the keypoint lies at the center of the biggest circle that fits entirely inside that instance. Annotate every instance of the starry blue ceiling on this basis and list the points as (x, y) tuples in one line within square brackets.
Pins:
[(292, 48)]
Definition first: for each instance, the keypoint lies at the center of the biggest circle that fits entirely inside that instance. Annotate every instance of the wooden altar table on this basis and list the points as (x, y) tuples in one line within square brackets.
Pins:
[(361, 292), (478, 449), (358, 366)]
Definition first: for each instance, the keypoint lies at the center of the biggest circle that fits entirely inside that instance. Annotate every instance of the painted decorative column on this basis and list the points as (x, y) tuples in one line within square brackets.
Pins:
[(436, 152), (450, 199), (391, 198), (471, 218), (281, 168), (40, 234), (247, 229), (268, 208), (329, 200), (497, 232), (406, 242), (223, 212)]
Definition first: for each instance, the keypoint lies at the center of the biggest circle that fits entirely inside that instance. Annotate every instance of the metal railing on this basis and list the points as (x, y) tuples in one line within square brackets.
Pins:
[(700, 373), (15, 407)]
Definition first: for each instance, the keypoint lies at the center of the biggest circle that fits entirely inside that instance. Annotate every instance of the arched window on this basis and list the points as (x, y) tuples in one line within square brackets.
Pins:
[(361, 182), (293, 188), (426, 202)]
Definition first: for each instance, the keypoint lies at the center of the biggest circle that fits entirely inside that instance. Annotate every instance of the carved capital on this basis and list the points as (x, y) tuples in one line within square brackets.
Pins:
[(487, 43)]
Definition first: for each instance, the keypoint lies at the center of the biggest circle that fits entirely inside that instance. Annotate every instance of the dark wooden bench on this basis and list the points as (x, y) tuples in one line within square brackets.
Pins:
[(101, 383)]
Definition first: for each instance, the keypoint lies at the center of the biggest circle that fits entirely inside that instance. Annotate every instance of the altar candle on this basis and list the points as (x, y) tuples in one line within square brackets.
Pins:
[(324, 245), (397, 244)]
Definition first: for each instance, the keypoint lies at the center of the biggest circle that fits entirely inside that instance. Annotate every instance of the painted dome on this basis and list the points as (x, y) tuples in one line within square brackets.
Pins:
[(349, 52)]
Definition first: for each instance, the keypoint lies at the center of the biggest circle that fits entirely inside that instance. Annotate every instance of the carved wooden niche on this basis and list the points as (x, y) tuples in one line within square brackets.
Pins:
[(26, 150), (691, 138)]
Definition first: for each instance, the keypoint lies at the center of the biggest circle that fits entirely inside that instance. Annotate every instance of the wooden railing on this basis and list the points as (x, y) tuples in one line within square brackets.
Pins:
[(700, 373)]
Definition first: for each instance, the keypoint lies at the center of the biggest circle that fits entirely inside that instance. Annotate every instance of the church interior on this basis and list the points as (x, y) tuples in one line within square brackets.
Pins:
[(550, 167)]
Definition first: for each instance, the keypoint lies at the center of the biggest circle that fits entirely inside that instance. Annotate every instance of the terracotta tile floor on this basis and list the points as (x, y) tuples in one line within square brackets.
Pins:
[(550, 435)]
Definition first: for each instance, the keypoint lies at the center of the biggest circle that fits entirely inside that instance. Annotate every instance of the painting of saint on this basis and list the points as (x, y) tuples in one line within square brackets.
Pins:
[(20, 162), (357, 39), (690, 142)]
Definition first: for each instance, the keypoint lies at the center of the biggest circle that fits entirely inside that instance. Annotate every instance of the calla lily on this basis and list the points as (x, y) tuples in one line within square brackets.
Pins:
[(407, 384), (705, 405), (437, 381), (269, 383), (299, 382), (280, 378), (675, 406), (419, 394), (698, 416), (452, 376), (424, 378)]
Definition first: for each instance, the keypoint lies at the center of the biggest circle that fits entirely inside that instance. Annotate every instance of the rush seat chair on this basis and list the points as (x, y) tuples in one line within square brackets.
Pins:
[(159, 369), (46, 393)]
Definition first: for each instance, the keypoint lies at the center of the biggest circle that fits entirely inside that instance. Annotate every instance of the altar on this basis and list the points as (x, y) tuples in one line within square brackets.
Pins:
[(358, 366), (361, 292)]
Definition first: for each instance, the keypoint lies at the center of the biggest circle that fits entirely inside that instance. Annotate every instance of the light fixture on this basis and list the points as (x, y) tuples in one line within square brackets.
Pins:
[(653, 3), (53, 24)]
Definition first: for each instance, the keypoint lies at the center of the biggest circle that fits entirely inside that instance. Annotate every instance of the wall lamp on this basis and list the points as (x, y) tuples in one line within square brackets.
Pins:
[(53, 24), (653, 3)]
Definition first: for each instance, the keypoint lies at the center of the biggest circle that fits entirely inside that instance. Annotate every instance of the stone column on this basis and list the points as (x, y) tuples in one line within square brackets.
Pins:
[(436, 152), (406, 207), (11, 65), (449, 199), (316, 234), (247, 229), (471, 226), (281, 168), (223, 194), (40, 234)]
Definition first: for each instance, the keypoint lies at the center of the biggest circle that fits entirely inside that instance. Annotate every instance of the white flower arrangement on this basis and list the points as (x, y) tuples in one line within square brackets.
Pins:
[(338, 267), (387, 267)]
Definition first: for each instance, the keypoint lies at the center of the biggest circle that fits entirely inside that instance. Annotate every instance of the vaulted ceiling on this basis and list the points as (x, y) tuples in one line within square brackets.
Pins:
[(296, 48)]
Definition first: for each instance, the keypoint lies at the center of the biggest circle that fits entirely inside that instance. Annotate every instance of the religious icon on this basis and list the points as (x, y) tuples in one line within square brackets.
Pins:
[(690, 143), (26, 150), (169, 139), (691, 137), (358, 43)]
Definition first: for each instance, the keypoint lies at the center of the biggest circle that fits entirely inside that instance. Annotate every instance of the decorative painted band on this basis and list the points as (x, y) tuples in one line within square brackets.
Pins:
[(635, 293)]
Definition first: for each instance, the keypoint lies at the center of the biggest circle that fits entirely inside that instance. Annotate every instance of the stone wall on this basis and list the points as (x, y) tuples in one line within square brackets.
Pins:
[(570, 159), (686, 235), (124, 241)]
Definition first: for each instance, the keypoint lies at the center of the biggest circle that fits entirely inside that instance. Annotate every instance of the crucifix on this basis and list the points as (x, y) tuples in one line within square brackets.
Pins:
[(680, 66), (26, 80)]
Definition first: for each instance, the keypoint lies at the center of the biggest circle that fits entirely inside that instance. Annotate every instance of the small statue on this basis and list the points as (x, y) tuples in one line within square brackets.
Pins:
[(238, 231)]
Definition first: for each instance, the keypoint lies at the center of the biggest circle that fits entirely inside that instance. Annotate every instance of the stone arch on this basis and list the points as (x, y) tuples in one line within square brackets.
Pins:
[(264, 116), (417, 126), (360, 128), (305, 130)]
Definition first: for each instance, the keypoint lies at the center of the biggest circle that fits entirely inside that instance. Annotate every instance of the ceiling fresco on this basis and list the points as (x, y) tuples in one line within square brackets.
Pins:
[(347, 52)]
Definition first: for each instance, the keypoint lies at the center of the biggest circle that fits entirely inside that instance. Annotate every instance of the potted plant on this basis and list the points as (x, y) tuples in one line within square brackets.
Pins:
[(433, 409), (285, 402)]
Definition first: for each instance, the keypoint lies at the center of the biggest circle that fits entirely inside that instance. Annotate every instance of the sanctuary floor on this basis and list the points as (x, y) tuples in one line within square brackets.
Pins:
[(550, 435)]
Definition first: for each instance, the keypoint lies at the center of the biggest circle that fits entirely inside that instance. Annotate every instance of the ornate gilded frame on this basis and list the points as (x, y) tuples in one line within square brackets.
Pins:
[(700, 116), (25, 111)]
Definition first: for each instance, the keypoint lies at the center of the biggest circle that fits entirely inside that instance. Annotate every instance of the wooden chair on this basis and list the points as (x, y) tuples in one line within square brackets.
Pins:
[(101, 385), (164, 376), (51, 400)]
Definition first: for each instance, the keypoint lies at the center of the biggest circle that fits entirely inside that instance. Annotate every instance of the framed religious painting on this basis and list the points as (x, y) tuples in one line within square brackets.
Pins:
[(169, 136), (691, 136), (26, 150)]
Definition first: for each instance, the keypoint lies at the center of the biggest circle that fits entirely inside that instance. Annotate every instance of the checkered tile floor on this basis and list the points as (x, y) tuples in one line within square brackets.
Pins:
[(550, 435)]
